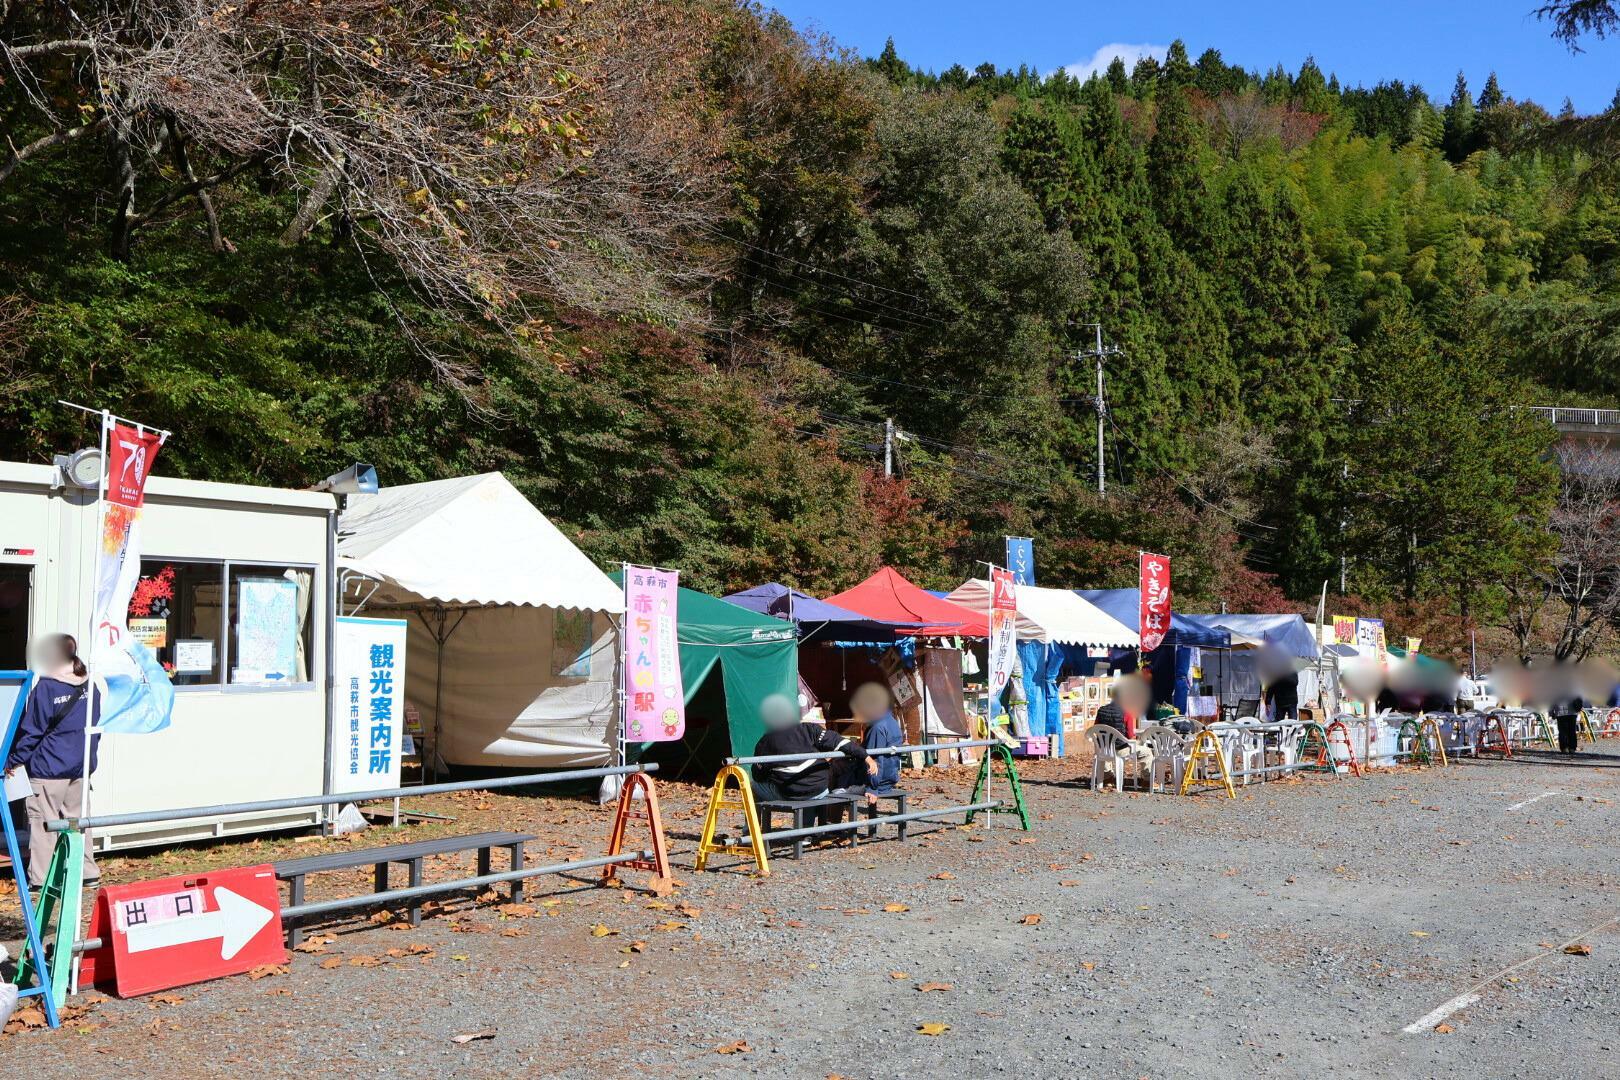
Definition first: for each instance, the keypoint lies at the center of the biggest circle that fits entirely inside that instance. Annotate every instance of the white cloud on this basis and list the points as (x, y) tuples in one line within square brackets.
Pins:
[(1099, 61)]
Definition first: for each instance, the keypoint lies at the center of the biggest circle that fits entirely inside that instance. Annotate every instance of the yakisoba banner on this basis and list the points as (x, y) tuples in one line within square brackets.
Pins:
[(1003, 630), (1154, 618), (139, 696)]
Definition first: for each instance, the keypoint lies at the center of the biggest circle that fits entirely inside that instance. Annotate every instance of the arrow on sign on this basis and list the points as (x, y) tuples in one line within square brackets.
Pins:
[(235, 923)]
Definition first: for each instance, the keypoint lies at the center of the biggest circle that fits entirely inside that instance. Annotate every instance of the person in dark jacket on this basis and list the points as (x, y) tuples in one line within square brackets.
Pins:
[(50, 746), (786, 733), (1283, 696), (871, 706), (1566, 711)]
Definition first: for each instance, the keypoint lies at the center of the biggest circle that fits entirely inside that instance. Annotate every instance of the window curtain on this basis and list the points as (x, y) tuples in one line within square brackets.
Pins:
[(303, 579)]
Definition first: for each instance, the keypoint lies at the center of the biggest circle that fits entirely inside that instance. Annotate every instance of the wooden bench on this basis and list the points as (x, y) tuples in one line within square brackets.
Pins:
[(873, 810), (294, 871), (801, 809)]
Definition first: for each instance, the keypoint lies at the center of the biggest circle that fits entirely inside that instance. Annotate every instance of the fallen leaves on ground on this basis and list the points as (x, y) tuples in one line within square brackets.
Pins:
[(601, 930), (264, 971), (1088, 965), (1420, 933), (1443, 1029), (1068, 884), (667, 926), (935, 987), (1030, 920), (899, 974), (471, 1036), (933, 1027), (1578, 950), (895, 909), (739, 1047), (332, 962), (365, 961), (943, 875), (515, 911)]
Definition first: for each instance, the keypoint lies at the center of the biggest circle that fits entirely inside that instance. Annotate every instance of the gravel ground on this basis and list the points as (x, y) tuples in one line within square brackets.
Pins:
[(1293, 932)]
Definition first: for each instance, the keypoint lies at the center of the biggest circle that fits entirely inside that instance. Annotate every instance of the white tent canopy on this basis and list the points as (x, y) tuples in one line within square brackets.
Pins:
[(511, 658), (1053, 616), (469, 541)]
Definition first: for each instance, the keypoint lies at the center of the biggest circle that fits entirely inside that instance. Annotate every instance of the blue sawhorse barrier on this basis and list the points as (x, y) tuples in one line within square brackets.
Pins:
[(14, 689)]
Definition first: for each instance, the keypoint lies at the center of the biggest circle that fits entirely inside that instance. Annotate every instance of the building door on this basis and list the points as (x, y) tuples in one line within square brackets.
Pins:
[(16, 584)]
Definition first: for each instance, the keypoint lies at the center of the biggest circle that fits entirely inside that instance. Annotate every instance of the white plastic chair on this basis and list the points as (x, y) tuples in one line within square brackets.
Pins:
[(1244, 748), (1288, 743), (1110, 748), (1169, 754)]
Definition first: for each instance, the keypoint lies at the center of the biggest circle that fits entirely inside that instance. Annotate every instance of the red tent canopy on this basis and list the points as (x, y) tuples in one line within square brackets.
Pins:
[(887, 595)]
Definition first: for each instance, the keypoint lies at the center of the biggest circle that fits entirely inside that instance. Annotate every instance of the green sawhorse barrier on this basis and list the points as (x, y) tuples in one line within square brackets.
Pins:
[(981, 786), (16, 686), (59, 914)]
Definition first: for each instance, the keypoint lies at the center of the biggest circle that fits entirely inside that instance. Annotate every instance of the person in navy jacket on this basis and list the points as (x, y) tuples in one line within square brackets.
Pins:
[(870, 705), (50, 745)]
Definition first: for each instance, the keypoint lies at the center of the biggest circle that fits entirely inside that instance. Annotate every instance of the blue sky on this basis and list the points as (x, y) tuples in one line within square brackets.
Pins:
[(1424, 41)]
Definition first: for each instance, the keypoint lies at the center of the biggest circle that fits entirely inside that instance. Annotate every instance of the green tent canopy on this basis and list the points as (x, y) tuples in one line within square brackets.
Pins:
[(758, 655)]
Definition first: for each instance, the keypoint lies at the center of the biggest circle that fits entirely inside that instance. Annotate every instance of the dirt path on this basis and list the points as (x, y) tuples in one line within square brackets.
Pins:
[(1293, 932)]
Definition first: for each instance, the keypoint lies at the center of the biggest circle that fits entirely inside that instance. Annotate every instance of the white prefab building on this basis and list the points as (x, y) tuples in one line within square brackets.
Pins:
[(251, 699)]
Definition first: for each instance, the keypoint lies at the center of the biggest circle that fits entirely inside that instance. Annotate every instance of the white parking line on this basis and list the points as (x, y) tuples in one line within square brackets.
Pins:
[(1537, 798), (1428, 1020)]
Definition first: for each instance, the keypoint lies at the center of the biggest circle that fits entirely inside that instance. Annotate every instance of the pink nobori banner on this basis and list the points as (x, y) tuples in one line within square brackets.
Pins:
[(655, 703)]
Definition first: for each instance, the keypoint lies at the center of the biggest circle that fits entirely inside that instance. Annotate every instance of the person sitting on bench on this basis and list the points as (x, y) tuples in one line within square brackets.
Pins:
[(785, 733), (871, 706)]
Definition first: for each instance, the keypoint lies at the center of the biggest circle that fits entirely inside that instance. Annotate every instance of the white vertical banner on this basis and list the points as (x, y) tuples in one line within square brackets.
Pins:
[(1003, 625), (368, 668)]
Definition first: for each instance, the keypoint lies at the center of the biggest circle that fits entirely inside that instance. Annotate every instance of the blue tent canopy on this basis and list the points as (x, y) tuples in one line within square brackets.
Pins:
[(1126, 606), (1286, 632), (817, 619)]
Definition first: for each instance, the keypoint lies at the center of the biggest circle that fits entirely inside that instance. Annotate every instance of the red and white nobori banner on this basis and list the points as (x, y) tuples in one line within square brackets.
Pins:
[(1003, 629), (180, 930), (1154, 619), (655, 701), (139, 695)]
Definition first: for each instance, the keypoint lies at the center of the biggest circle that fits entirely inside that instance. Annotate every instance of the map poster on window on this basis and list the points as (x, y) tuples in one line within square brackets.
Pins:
[(266, 631), (368, 671)]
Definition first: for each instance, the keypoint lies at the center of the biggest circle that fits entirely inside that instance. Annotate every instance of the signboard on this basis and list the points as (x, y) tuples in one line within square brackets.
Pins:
[(1344, 629), (1021, 559), (1003, 631), (266, 631), (1412, 645), (368, 669), (1154, 618), (153, 633), (1370, 637), (180, 930), (139, 696), (655, 703)]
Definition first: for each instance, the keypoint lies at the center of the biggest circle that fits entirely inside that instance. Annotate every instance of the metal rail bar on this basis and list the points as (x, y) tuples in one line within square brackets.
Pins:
[(861, 823), (108, 820), (775, 759), (383, 899)]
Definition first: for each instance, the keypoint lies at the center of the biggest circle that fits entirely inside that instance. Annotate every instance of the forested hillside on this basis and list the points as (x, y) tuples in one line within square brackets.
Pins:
[(671, 267)]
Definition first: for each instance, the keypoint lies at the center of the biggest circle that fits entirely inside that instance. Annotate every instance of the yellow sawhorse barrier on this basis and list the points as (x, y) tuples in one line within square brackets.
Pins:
[(1206, 748), (1583, 726), (742, 799)]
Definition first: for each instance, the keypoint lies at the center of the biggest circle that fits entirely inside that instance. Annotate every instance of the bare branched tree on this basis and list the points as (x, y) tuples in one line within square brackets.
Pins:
[(497, 150), (1579, 592)]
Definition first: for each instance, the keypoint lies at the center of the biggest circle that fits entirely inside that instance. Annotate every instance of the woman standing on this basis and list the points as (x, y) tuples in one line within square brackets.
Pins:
[(50, 745)]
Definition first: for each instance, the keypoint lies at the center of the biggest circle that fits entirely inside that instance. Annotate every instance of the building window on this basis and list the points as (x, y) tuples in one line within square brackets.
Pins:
[(269, 624), (176, 610)]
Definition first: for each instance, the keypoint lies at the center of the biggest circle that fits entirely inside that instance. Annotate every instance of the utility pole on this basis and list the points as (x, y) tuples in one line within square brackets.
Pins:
[(888, 446), (1098, 352)]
